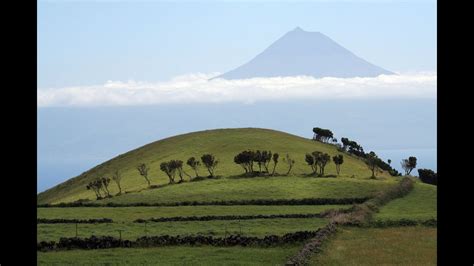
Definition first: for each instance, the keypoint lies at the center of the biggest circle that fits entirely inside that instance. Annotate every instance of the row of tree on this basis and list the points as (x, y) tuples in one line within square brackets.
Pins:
[(316, 159), (246, 159), (352, 147), (100, 187), (373, 162), (173, 167)]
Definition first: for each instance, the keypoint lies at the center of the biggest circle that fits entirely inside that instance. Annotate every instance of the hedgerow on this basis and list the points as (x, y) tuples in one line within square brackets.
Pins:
[(226, 217), (73, 221), (312, 246), (402, 222), (103, 242), (307, 201)]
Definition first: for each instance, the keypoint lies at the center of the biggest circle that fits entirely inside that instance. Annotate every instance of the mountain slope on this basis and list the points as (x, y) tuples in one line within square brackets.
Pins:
[(300, 52), (224, 144)]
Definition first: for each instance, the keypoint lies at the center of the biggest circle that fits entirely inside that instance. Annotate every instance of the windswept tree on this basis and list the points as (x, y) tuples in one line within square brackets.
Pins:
[(117, 178), (100, 187), (309, 159), (169, 171), (259, 160), (321, 134), (210, 162), (275, 161), (389, 161), (372, 162), (105, 185), (143, 171), (352, 147), (338, 160), (93, 186), (245, 159), (177, 167), (322, 159), (266, 159), (408, 164), (194, 164), (290, 162), (97, 186), (345, 143)]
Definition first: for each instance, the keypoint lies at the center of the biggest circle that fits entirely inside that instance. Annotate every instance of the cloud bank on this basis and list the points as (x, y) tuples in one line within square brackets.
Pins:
[(197, 88)]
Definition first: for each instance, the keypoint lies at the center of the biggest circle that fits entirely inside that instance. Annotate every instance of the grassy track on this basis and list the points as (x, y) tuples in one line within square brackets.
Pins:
[(225, 144), (389, 246), (171, 256), (131, 231), (129, 214), (420, 204)]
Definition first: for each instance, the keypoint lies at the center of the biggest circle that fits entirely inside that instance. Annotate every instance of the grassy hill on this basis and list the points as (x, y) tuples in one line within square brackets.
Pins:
[(224, 144)]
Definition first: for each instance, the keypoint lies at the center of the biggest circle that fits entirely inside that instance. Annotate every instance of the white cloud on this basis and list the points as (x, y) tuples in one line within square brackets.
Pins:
[(197, 88)]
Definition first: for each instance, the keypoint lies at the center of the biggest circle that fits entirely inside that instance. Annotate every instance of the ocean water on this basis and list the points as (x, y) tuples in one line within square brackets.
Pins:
[(426, 158), (73, 140)]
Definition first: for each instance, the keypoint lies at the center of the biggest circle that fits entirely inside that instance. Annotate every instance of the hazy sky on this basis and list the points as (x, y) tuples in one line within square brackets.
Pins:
[(158, 56), (90, 42)]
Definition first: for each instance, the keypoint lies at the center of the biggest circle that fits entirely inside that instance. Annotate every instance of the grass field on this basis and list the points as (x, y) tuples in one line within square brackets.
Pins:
[(129, 214), (224, 144), (350, 246), (389, 246), (131, 231), (171, 256), (420, 204), (257, 188)]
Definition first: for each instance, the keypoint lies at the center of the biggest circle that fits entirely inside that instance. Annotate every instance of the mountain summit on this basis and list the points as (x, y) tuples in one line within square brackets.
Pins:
[(300, 52)]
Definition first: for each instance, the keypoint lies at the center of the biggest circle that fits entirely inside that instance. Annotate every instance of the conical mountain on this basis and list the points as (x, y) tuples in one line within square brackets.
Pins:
[(300, 52)]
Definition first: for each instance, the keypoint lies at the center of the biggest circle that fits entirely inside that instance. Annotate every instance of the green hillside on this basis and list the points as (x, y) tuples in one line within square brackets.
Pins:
[(224, 144)]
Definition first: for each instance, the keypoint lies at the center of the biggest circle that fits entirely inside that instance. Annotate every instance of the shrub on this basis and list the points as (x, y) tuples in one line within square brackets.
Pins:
[(428, 176)]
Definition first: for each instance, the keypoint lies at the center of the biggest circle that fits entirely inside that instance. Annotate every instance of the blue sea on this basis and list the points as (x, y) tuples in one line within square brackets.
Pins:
[(73, 140)]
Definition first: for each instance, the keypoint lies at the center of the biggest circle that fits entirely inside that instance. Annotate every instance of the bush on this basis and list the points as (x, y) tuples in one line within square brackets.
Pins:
[(428, 176)]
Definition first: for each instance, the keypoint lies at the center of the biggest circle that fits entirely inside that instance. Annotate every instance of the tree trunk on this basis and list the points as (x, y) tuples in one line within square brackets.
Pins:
[(274, 166), (120, 188), (107, 190), (180, 174), (289, 170)]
